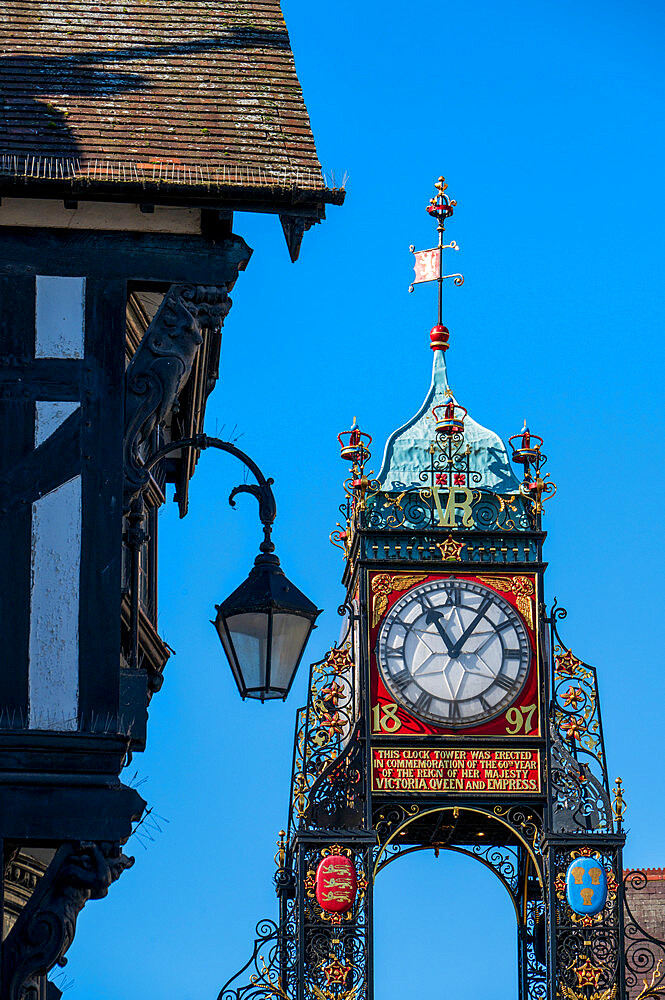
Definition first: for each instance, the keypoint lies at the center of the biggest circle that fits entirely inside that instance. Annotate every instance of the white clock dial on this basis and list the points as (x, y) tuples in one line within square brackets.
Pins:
[(453, 652)]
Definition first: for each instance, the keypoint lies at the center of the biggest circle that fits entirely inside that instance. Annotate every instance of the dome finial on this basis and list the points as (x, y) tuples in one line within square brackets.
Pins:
[(429, 263)]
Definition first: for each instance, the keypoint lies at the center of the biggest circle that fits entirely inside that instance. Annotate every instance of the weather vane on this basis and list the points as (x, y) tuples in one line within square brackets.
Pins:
[(428, 264)]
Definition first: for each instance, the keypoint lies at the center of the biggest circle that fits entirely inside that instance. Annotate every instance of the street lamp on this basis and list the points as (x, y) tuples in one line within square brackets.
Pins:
[(264, 625)]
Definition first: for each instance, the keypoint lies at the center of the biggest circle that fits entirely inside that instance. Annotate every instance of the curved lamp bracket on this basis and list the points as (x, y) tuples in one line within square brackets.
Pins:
[(262, 489)]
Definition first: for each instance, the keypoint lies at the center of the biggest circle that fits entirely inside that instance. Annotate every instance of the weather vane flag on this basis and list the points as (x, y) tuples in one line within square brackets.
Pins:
[(428, 264)]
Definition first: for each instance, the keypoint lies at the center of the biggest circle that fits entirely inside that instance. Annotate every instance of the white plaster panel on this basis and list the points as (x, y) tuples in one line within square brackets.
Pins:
[(59, 317), (48, 417), (53, 678), (47, 213)]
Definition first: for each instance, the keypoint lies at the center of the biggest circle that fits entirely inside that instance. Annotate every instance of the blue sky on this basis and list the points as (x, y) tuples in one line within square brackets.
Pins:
[(547, 121)]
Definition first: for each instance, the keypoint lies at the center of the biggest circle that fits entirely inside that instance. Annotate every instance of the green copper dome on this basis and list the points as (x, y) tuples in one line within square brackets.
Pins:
[(407, 449)]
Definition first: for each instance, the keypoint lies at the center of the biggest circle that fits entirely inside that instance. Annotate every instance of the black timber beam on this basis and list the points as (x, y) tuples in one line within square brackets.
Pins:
[(233, 197), (41, 378), (50, 813), (140, 256)]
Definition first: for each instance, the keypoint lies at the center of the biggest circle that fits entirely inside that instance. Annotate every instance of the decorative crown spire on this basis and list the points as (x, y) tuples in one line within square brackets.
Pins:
[(428, 264)]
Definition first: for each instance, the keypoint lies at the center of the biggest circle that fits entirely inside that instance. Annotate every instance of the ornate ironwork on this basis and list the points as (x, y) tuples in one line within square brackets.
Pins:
[(327, 787), (534, 486), (261, 489), (428, 507), (579, 801), (470, 547), (335, 946), (580, 786), (532, 938), (503, 861), (336, 800), (392, 820), (576, 703), (515, 864), (264, 965), (618, 804), (588, 947), (450, 465), (644, 953)]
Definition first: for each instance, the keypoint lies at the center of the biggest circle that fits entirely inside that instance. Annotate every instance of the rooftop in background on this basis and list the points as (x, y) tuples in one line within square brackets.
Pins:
[(189, 99)]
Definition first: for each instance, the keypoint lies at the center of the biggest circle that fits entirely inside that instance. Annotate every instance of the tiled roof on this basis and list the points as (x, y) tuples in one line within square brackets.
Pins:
[(651, 874), (190, 93)]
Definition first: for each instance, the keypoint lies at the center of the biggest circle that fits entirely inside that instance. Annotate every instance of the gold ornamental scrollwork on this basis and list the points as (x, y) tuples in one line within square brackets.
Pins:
[(583, 726), (655, 989), (588, 978), (269, 984), (384, 584), (609, 994), (331, 718), (336, 974), (522, 588)]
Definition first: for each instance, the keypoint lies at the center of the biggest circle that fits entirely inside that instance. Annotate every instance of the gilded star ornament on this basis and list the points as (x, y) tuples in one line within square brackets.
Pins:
[(588, 974), (339, 659), (450, 549), (567, 663), (336, 973)]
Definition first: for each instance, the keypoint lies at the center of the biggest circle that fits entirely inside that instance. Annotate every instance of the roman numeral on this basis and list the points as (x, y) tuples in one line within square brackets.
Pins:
[(485, 604), (504, 625), (484, 702), (423, 702), (512, 654), (454, 714), (455, 595), (504, 682), (402, 679)]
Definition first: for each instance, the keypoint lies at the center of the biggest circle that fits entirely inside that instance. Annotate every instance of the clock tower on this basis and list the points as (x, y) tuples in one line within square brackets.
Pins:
[(451, 715)]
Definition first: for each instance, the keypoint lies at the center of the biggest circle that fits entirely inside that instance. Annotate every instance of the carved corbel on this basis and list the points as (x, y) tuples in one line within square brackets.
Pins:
[(45, 928), (295, 227), (161, 366)]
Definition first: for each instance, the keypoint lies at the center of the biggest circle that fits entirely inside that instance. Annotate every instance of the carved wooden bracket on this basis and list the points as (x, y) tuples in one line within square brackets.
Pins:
[(295, 227), (161, 367), (45, 927)]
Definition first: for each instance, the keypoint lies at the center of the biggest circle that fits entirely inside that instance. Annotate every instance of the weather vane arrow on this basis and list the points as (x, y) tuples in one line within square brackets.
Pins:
[(428, 264)]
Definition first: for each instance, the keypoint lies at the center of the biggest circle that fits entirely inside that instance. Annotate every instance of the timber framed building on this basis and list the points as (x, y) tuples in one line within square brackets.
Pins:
[(131, 134)]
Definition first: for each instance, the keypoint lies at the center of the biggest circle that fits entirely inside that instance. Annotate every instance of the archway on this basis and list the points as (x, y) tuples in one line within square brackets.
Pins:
[(477, 921), (443, 927)]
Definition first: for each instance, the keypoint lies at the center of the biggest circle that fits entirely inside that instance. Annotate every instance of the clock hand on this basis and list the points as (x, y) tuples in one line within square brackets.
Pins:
[(457, 648), (436, 618)]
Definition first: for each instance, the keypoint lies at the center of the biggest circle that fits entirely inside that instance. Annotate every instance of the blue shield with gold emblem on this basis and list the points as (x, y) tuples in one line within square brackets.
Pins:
[(586, 886)]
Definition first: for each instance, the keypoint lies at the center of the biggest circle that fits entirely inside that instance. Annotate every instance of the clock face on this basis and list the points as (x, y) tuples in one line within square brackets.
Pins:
[(453, 652)]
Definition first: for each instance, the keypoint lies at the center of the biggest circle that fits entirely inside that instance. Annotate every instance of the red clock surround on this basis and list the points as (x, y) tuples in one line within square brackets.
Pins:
[(519, 720)]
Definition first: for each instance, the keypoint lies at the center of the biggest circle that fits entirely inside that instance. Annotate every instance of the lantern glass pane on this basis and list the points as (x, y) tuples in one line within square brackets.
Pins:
[(249, 634), (289, 635)]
